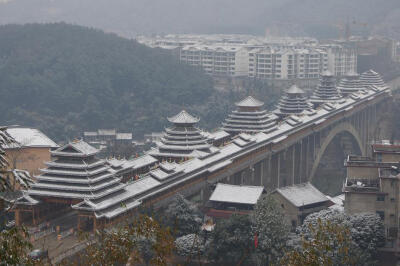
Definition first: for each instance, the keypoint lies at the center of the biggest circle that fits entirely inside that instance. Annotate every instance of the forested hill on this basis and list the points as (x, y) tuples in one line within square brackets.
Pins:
[(65, 79)]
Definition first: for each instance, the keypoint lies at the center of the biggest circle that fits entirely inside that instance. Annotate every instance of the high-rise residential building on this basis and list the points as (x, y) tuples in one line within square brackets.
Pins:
[(217, 60), (342, 58), (259, 57), (287, 63)]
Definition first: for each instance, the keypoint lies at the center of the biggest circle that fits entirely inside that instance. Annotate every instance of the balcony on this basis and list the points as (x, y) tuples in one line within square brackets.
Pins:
[(361, 185)]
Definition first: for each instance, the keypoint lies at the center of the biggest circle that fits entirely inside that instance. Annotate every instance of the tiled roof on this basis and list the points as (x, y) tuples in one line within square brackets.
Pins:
[(302, 194), (294, 90), (249, 102), (31, 137), (236, 194), (183, 118)]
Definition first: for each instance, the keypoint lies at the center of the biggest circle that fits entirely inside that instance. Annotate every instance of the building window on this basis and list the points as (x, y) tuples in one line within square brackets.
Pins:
[(379, 157), (380, 198), (381, 214)]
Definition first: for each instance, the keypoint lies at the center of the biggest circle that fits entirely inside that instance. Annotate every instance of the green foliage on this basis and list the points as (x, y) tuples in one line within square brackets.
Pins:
[(183, 217), (65, 79), (232, 240), (144, 241), (366, 229), (329, 244), (270, 226), (191, 245), (368, 232), (14, 246)]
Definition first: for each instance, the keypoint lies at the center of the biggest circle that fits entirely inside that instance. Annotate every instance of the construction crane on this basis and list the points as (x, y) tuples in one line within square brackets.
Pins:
[(345, 28)]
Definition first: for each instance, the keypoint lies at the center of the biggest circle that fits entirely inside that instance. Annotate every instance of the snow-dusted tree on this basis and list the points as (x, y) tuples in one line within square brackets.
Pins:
[(183, 216), (190, 245), (335, 216), (232, 241), (5, 141), (144, 241), (368, 232), (271, 229), (366, 229), (328, 244), (11, 178)]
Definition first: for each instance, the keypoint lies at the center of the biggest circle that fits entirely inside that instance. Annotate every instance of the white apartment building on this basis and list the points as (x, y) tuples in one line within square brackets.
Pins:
[(258, 57), (341, 59), (271, 63), (217, 60)]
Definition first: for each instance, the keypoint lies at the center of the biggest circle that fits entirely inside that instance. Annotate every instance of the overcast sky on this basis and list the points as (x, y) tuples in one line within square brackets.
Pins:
[(131, 17)]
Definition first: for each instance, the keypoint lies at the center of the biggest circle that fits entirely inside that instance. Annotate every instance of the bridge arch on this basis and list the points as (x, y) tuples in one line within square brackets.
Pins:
[(342, 127)]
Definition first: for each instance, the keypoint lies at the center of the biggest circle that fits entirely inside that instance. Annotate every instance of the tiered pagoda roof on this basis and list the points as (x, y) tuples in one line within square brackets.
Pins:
[(249, 118), (182, 139), (371, 78), (114, 204), (75, 173), (326, 91), (249, 102), (349, 84), (293, 102)]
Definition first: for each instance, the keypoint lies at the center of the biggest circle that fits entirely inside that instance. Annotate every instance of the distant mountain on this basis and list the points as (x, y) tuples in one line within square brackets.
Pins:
[(65, 79), (131, 17)]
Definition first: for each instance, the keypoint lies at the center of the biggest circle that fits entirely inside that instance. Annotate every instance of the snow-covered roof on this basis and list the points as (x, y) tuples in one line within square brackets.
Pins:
[(228, 154), (124, 136), (106, 132), (183, 118), (23, 178), (338, 202), (236, 194), (141, 161), (115, 163), (115, 204), (26, 199), (31, 137), (90, 133), (294, 90), (302, 194), (83, 147), (249, 101), (217, 135)]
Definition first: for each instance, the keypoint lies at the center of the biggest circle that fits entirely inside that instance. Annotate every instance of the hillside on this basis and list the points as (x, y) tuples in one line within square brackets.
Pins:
[(65, 79)]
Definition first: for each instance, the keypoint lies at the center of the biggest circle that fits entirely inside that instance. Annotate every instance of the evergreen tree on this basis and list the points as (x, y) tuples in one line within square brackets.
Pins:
[(191, 245), (366, 230), (271, 230), (328, 244), (183, 217), (232, 241)]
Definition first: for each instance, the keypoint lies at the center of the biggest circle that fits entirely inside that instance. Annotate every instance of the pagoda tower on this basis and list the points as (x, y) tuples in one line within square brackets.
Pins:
[(349, 84), (249, 117), (326, 91), (182, 140), (74, 174), (293, 102), (371, 78)]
